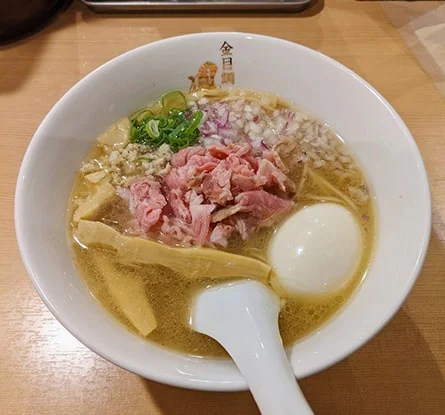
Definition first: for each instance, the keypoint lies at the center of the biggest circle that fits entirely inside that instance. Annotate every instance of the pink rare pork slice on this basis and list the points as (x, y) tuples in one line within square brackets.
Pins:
[(211, 194)]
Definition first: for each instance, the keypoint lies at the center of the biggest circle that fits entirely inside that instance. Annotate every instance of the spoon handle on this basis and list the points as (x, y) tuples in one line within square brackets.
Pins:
[(247, 316)]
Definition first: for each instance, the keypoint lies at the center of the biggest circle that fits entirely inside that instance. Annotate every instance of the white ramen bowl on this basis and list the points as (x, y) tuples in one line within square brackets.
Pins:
[(363, 118)]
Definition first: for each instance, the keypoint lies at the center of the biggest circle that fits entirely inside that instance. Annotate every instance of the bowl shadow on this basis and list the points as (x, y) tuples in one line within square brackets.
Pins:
[(385, 376), (176, 401)]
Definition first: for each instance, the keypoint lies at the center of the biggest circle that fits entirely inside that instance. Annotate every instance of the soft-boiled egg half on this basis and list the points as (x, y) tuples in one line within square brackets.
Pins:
[(317, 249)]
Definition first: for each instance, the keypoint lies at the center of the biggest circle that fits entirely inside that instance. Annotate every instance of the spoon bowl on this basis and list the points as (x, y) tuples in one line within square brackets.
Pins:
[(243, 318)]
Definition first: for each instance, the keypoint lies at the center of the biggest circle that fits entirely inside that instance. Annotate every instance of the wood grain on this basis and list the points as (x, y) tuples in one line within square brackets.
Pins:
[(44, 370)]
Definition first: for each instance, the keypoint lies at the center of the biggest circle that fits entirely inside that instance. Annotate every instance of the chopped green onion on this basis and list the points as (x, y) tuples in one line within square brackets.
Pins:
[(173, 100), (170, 127), (152, 128), (195, 121), (141, 114), (139, 159)]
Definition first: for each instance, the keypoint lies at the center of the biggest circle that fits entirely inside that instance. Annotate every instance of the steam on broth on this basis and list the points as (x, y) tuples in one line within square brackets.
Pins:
[(211, 174)]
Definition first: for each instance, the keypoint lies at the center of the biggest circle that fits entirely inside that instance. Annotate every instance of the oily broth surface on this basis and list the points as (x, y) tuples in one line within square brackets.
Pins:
[(170, 294)]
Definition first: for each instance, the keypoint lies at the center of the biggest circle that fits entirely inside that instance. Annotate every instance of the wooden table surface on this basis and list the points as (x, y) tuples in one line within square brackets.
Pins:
[(44, 370)]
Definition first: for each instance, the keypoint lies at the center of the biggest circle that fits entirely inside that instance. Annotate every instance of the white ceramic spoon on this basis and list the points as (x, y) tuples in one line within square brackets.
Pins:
[(243, 318)]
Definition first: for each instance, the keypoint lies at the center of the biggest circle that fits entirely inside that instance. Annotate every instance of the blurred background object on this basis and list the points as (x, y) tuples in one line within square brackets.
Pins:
[(186, 5), (21, 18), (422, 27)]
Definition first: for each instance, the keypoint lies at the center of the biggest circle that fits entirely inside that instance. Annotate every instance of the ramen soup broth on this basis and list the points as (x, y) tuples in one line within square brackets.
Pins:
[(317, 168)]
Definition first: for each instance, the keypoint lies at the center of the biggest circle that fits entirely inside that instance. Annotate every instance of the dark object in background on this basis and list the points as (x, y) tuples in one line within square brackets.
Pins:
[(21, 18), (195, 5)]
